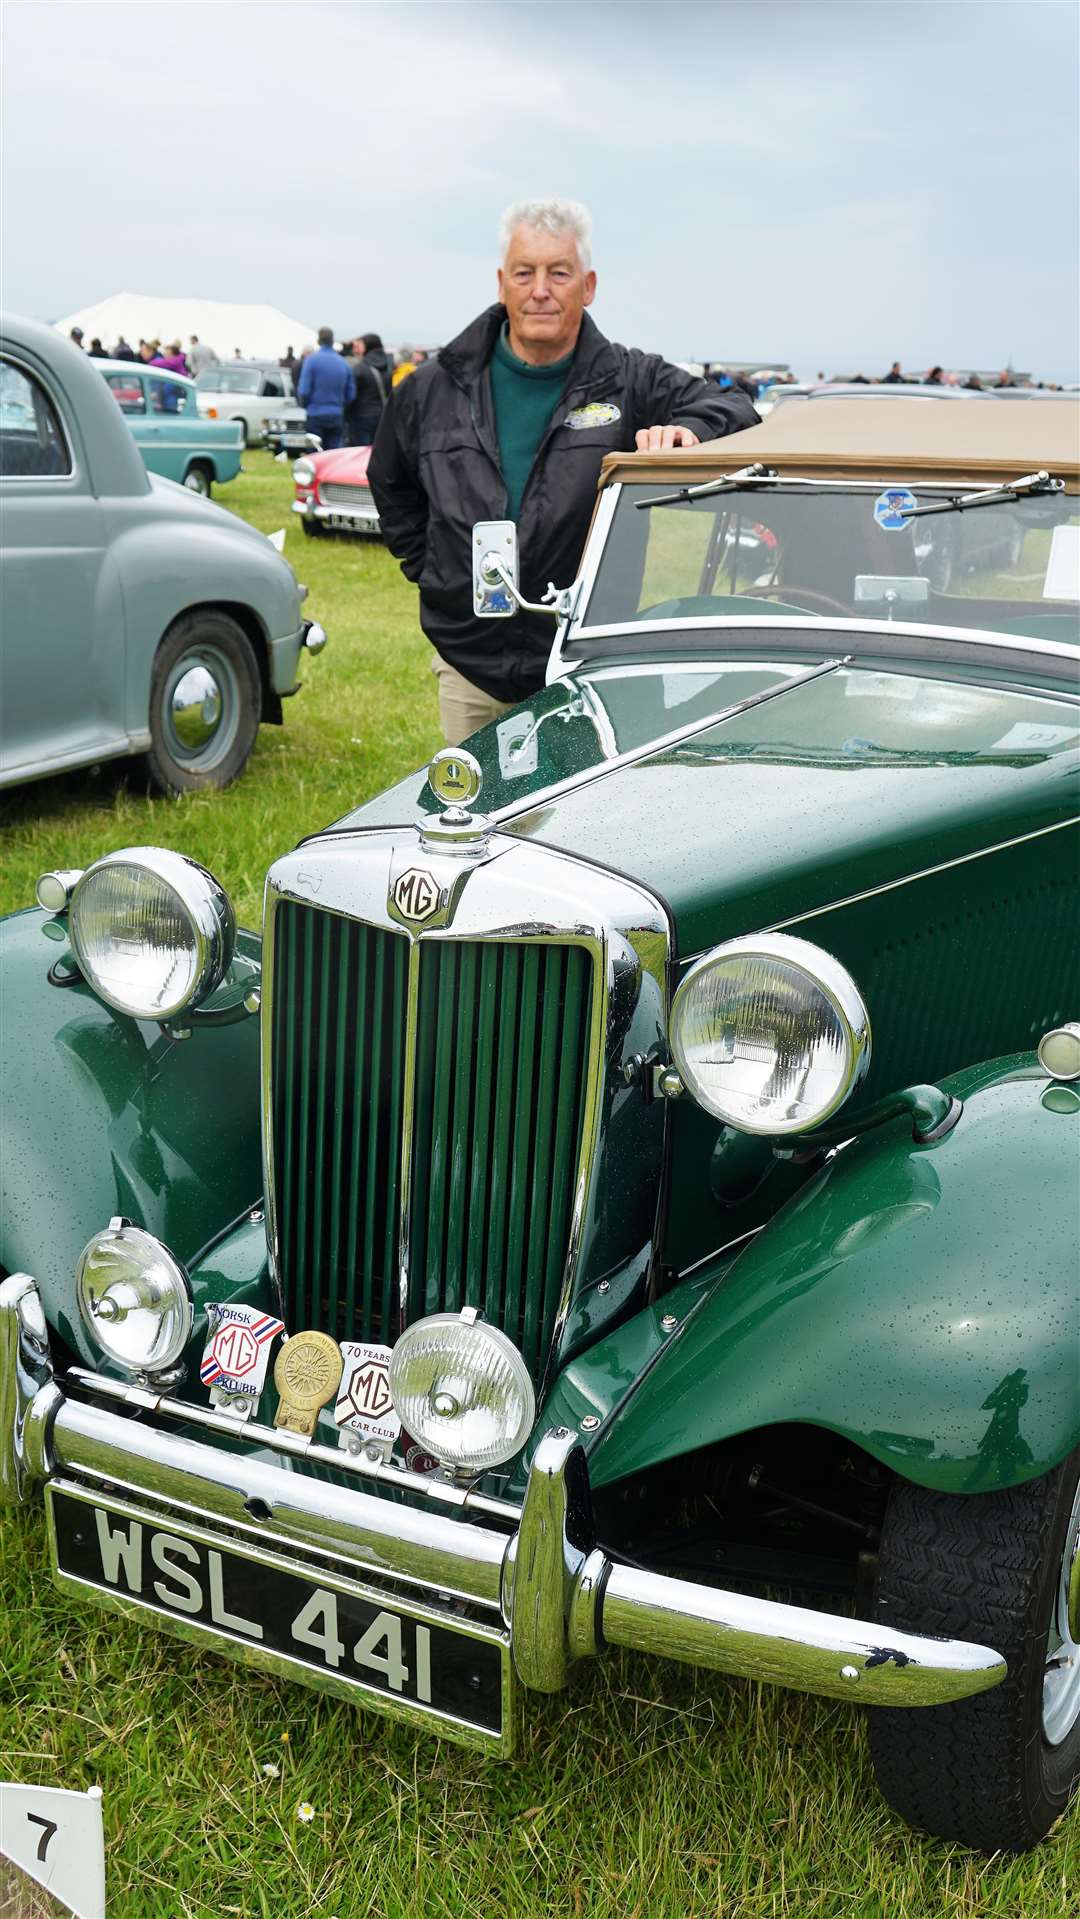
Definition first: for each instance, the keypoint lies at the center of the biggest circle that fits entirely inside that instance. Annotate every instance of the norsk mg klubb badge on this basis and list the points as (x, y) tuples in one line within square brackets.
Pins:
[(364, 1408), (235, 1357)]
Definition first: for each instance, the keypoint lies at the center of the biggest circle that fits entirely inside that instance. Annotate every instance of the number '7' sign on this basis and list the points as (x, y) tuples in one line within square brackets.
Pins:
[(57, 1838)]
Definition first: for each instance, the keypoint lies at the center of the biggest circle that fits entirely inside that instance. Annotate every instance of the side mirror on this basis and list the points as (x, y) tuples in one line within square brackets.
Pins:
[(495, 577), (494, 566)]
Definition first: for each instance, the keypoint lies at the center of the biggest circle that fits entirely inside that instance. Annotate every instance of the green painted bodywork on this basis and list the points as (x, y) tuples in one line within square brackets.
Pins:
[(103, 1115), (922, 830), (919, 1300), (856, 780)]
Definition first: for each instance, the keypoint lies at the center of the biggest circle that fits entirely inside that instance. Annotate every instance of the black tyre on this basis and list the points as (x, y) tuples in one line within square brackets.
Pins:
[(242, 424), (313, 529), (997, 1770), (205, 703), (198, 479)]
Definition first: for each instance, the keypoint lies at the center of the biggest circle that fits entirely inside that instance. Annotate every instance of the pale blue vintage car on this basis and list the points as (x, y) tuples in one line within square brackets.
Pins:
[(169, 431), (137, 617)]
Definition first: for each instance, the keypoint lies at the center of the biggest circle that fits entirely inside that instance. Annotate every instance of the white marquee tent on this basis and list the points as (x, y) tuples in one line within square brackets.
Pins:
[(261, 332)]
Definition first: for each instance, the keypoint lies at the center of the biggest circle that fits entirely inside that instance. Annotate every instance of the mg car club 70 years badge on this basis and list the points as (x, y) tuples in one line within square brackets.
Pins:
[(235, 1356), (364, 1410)]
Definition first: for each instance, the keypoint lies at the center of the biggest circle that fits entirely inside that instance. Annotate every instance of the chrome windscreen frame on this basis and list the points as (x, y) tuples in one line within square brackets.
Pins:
[(516, 893), (832, 630)]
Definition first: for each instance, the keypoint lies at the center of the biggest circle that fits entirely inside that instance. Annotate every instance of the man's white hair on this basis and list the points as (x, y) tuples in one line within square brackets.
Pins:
[(549, 216)]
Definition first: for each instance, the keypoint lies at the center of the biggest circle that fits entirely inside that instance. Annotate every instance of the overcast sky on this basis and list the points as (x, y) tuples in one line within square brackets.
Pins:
[(828, 184)]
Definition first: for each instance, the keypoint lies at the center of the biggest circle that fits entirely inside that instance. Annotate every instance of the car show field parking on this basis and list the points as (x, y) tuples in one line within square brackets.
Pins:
[(644, 1789), (367, 713)]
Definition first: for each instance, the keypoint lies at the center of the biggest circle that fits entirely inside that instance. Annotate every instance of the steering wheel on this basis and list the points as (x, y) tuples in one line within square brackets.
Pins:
[(807, 593)]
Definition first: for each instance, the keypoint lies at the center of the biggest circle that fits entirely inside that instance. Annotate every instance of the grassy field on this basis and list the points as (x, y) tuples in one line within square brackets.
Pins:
[(645, 1791)]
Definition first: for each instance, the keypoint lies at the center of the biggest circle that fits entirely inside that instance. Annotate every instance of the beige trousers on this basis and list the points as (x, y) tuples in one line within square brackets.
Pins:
[(463, 707)]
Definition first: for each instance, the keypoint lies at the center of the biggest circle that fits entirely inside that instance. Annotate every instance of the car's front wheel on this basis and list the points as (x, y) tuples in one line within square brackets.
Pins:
[(313, 528), (242, 424), (1002, 1568), (205, 702)]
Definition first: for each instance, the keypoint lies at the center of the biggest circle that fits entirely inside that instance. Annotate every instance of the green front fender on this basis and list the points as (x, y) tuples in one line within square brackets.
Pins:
[(102, 1115), (923, 1301)]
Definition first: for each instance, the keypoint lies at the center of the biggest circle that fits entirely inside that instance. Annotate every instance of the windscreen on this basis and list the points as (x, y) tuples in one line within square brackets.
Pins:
[(836, 553), (223, 379)]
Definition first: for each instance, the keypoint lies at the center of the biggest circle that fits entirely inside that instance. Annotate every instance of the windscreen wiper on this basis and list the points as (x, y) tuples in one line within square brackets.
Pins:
[(731, 483), (990, 496), (749, 477)]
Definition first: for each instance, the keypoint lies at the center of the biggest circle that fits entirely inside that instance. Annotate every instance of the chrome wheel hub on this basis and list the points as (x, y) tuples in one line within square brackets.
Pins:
[(195, 708), (1061, 1679)]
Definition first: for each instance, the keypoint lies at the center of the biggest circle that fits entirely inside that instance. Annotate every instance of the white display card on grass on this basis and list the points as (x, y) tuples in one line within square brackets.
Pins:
[(58, 1839)]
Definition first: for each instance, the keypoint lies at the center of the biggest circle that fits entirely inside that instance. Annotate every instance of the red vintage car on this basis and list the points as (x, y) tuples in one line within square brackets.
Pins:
[(332, 492)]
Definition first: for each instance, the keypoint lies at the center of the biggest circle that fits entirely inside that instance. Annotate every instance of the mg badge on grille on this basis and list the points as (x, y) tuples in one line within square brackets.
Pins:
[(364, 1409), (416, 894)]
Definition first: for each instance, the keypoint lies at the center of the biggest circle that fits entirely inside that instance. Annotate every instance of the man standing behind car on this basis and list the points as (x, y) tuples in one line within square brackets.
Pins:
[(326, 390), (200, 356), (512, 422), (372, 374)]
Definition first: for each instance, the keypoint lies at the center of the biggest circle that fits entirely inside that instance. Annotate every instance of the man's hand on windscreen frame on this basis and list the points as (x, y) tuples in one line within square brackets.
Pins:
[(660, 439)]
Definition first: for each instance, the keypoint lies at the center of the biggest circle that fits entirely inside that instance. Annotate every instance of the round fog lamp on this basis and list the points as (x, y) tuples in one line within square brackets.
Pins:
[(134, 1298), (462, 1389), (1059, 1051), (770, 1034), (153, 932)]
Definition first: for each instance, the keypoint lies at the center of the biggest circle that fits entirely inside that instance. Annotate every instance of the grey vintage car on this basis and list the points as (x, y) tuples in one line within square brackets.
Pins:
[(138, 618)]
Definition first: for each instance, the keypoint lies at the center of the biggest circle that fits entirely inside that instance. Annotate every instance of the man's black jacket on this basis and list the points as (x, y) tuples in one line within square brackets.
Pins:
[(435, 471)]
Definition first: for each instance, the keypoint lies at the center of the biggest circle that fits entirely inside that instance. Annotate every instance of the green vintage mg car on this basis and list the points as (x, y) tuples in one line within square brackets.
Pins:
[(628, 1194)]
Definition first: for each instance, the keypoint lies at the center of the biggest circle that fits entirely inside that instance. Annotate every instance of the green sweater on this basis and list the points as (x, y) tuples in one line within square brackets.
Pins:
[(525, 398)]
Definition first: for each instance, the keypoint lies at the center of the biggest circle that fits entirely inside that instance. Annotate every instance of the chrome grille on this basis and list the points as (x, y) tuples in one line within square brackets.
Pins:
[(491, 1125), (336, 494)]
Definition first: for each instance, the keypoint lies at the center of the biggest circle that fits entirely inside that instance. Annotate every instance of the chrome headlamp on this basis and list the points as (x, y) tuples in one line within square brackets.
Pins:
[(134, 1298), (462, 1389), (153, 932), (770, 1034), (303, 473)]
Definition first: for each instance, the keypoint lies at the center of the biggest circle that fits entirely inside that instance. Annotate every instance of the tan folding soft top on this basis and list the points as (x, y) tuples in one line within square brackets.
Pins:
[(981, 440)]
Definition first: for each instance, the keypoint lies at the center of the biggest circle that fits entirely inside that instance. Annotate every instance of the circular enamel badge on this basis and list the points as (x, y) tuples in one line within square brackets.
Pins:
[(455, 777)]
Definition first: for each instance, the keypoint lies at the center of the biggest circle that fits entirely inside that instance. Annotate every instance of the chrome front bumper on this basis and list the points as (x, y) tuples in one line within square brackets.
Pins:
[(535, 1571), (285, 655)]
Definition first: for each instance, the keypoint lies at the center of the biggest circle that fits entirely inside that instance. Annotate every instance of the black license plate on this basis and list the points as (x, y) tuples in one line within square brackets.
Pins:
[(395, 1655)]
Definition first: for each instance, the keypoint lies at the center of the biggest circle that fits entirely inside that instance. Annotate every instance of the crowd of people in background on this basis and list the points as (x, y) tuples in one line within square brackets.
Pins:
[(344, 385), (349, 415), (190, 361), (758, 383)]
